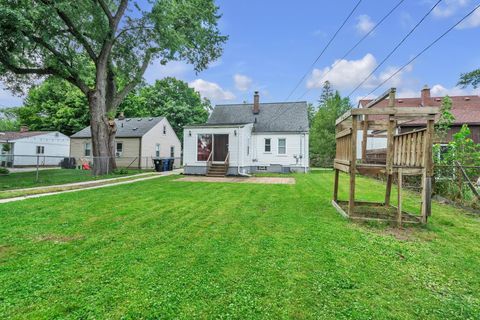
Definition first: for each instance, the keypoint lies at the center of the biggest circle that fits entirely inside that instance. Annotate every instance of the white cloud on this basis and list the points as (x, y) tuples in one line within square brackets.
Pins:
[(364, 24), (439, 91), (471, 22), (242, 82), (176, 69), (345, 75), (449, 8), (211, 90)]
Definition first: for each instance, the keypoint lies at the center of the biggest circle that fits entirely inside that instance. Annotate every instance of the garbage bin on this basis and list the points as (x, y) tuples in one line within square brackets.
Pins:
[(170, 164), (165, 164), (158, 165)]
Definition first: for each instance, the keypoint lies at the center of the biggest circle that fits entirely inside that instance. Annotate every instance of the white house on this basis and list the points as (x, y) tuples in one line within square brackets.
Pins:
[(24, 148), (246, 138), (137, 142)]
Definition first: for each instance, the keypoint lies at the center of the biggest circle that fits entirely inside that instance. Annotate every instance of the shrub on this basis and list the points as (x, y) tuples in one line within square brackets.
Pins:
[(4, 170)]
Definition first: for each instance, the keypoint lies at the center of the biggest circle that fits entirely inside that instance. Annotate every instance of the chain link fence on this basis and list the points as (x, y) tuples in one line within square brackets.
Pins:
[(60, 169)]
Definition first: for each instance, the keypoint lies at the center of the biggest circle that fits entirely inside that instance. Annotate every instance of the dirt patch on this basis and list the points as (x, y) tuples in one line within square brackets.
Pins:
[(259, 180), (409, 233), (4, 251), (58, 238)]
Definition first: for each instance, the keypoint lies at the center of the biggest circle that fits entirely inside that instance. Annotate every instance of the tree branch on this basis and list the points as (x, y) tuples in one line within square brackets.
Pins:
[(19, 70), (105, 10), (73, 30), (138, 76), (118, 16)]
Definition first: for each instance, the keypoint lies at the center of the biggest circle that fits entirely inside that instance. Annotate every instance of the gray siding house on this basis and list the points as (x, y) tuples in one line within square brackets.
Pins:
[(137, 141), (245, 138)]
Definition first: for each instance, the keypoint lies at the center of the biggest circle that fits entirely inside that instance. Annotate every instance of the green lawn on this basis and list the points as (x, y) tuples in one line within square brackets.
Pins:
[(49, 177), (169, 249)]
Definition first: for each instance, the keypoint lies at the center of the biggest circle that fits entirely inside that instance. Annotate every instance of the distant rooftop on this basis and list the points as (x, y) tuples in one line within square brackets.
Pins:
[(15, 135), (126, 128)]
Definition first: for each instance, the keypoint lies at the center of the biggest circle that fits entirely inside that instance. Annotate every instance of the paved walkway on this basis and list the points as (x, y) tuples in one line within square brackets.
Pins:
[(261, 180), (91, 185)]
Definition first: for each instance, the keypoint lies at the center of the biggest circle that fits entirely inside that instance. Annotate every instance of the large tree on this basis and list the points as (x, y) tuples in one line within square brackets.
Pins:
[(170, 98), (103, 47)]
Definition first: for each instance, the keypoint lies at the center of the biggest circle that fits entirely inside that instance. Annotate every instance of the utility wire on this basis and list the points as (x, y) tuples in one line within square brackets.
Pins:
[(323, 50), (395, 48), (424, 49), (356, 44)]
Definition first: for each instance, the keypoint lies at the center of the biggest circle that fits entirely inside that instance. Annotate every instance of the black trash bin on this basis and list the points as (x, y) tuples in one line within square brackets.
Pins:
[(170, 164), (158, 165), (165, 164)]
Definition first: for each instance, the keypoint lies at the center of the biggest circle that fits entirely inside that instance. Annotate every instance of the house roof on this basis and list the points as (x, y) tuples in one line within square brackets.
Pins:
[(273, 117), (126, 128), (15, 135), (465, 109)]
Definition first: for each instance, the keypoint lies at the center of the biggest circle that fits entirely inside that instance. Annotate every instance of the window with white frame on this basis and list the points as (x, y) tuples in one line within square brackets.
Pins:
[(172, 152), (268, 145), (87, 149), (157, 150), (119, 149), (282, 146), (40, 150)]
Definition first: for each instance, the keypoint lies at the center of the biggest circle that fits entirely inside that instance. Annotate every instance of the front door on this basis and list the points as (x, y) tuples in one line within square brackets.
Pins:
[(220, 147)]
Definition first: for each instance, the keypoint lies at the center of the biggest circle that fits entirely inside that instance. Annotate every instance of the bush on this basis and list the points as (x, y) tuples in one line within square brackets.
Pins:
[(4, 170)]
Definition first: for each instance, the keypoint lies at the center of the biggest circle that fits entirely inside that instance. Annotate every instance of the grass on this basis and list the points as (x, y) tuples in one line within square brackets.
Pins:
[(48, 177), (56, 188), (166, 249)]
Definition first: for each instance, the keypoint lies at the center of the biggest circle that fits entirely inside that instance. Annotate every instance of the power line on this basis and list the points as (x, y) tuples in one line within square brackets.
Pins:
[(395, 48), (323, 50), (357, 44), (424, 49)]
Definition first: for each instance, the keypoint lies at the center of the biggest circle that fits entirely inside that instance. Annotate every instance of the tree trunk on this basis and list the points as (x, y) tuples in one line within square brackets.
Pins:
[(103, 135)]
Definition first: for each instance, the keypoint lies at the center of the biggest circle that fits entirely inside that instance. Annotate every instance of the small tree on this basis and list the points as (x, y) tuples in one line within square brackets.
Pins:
[(446, 119), (322, 132), (470, 78), (103, 47)]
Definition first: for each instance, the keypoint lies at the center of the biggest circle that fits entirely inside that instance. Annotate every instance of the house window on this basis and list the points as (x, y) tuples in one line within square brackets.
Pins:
[(40, 150), (157, 150), (164, 129), (204, 146), (119, 149), (282, 146), (87, 149), (172, 152), (268, 145)]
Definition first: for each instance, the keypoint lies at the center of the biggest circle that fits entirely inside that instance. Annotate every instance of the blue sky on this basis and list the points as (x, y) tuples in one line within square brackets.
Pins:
[(272, 44)]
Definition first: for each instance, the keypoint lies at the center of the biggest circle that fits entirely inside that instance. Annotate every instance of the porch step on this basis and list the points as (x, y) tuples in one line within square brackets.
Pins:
[(217, 170)]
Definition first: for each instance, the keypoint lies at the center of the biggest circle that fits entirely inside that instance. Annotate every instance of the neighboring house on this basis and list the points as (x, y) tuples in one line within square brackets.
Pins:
[(465, 109), (137, 142), (25, 148), (246, 138)]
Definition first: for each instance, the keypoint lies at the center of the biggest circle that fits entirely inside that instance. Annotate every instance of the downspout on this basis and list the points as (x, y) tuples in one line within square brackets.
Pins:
[(242, 174)]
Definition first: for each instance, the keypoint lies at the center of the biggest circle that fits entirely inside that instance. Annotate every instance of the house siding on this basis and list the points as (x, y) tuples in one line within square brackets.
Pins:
[(167, 140), (56, 147), (131, 151)]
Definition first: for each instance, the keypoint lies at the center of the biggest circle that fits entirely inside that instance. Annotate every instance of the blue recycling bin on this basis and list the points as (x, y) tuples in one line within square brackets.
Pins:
[(165, 164), (170, 164)]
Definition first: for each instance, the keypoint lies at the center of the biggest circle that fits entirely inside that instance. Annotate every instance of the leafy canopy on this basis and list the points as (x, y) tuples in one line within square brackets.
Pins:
[(103, 44), (322, 131)]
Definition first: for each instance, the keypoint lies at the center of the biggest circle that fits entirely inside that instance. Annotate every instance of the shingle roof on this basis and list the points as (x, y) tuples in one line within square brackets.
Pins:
[(15, 135), (465, 109), (126, 128), (273, 117)]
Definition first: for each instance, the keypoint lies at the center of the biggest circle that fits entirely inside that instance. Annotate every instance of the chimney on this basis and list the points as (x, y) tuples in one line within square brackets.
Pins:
[(426, 99), (256, 103), (24, 128), (121, 116)]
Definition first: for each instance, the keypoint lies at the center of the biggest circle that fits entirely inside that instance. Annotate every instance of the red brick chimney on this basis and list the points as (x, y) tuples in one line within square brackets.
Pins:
[(23, 128), (256, 103), (426, 98)]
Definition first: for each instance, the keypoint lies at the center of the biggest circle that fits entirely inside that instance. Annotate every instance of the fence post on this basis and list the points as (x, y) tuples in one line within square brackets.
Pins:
[(36, 174)]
